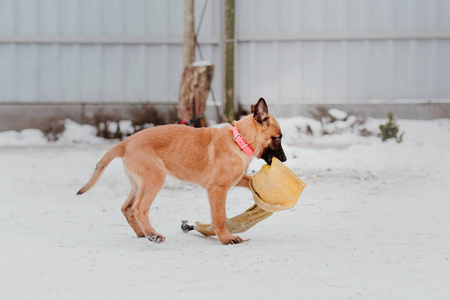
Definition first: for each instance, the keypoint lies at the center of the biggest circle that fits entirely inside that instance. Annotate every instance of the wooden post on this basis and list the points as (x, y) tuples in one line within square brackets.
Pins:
[(194, 88), (229, 61), (189, 38)]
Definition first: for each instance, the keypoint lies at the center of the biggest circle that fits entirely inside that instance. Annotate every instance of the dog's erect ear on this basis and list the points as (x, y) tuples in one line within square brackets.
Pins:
[(261, 112)]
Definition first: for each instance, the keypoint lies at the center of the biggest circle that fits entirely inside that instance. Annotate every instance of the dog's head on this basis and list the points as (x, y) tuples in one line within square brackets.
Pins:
[(269, 132)]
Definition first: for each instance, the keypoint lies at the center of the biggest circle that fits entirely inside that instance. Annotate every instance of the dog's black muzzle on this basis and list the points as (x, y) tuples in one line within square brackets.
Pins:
[(269, 153)]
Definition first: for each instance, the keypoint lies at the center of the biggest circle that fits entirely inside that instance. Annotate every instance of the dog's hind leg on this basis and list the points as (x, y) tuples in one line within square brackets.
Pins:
[(151, 183), (126, 207)]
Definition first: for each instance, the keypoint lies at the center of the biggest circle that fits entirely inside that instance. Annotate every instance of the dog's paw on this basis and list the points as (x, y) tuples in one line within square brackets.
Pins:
[(232, 240), (156, 238)]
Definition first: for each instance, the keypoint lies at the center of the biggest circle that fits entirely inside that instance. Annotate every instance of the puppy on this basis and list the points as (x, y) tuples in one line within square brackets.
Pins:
[(214, 158)]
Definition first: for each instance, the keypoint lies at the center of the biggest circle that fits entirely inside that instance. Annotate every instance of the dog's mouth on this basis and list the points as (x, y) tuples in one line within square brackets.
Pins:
[(269, 153)]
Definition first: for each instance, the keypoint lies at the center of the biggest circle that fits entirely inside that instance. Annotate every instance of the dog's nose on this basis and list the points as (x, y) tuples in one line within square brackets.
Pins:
[(281, 156)]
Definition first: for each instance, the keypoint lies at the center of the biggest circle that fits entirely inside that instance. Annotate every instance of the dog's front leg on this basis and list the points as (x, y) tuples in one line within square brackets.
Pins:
[(217, 198), (244, 181)]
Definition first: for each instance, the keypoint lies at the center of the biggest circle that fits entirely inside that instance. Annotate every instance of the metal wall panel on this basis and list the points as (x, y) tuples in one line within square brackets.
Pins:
[(98, 51), (343, 51), (289, 51)]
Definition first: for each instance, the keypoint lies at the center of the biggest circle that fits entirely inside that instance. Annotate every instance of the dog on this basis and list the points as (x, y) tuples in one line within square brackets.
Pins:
[(214, 158)]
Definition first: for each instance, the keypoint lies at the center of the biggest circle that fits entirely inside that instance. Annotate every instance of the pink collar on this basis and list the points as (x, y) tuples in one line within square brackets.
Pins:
[(241, 143)]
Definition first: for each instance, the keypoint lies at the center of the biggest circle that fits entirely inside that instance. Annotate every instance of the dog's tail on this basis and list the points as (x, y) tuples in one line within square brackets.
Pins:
[(117, 151)]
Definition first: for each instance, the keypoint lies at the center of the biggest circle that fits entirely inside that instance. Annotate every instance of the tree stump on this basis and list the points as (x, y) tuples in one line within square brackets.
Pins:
[(194, 88)]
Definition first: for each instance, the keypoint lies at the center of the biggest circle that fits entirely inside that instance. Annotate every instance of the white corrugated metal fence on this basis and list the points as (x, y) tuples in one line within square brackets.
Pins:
[(289, 51)]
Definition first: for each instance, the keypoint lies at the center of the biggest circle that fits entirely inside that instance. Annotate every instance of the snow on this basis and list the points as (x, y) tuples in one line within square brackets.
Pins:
[(201, 63), (337, 113), (373, 223)]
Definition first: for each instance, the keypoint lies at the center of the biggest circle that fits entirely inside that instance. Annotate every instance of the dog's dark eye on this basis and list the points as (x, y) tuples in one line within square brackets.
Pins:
[(276, 139)]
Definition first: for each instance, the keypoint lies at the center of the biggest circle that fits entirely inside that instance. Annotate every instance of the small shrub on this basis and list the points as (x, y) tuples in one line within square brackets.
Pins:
[(145, 117), (306, 130), (320, 113), (107, 125), (390, 130), (334, 121), (173, 115), (110, 126), (52, 129)]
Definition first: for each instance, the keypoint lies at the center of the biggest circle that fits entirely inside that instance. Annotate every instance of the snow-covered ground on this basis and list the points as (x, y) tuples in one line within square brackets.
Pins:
[(373, 223)]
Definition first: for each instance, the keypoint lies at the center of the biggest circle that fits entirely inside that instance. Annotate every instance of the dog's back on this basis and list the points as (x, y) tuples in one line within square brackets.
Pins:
[(189, 154)]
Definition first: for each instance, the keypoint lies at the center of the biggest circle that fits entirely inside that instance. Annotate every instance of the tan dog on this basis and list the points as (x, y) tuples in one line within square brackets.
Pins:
[(209, 157)]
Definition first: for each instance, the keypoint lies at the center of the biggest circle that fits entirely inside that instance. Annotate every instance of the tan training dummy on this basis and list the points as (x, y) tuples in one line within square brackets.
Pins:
[(275, 187)]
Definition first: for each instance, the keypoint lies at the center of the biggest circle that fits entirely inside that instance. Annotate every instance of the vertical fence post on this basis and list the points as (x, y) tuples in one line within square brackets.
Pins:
[(189, 40), (229, 60)]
